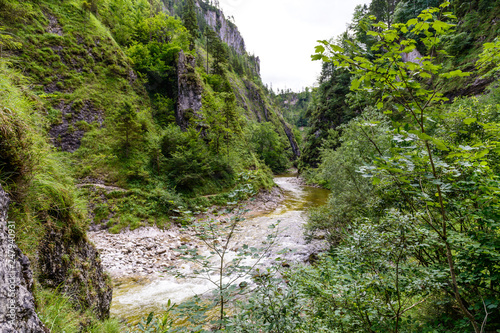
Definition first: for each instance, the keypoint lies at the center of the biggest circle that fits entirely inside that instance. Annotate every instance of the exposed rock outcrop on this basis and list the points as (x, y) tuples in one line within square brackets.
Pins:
[(76, 118), (189, 90), (414, 56), (73, 265), (254, 95), (17, 305), (291, 138), (227, 31)]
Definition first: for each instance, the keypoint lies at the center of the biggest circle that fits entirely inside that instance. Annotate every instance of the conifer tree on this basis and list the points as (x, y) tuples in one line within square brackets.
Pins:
[(127, 126), (190, 22)]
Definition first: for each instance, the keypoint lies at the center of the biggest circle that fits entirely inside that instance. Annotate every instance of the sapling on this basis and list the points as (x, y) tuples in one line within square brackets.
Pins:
[(226, 265)]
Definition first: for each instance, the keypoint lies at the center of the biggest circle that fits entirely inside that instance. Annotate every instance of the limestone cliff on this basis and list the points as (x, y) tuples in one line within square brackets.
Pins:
[(228, 32), (189, 90), (215, 18), (17, 305)]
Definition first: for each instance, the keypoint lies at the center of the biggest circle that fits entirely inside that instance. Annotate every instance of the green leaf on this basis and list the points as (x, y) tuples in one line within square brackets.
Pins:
[(452, 74), (319, 49), (412, 22), (444, 4), (150, 318), (440, 144), (315, 57), (482, 153), (469, 121), (425, 75), (440, 26), (336, 48), (355, 83)]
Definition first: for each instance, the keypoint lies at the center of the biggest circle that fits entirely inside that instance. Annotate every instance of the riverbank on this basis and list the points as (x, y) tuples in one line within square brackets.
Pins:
[(148, 251), (137, 259)]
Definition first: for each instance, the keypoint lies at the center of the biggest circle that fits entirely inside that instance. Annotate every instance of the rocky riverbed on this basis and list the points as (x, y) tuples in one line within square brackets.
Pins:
[(148, 251), (137, 259)]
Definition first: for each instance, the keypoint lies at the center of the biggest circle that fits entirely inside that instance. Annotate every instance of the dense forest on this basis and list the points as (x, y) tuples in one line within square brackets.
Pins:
[(119, 114)]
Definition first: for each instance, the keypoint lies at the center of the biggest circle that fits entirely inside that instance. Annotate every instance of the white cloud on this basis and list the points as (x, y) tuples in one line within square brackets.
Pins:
[(283, 33)]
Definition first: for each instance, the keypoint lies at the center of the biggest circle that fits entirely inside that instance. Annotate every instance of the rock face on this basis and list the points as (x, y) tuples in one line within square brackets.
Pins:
[(73, 265), (291, 138), (17, 305), (76, 116), (228, 32), (414, 56), (189, 90)]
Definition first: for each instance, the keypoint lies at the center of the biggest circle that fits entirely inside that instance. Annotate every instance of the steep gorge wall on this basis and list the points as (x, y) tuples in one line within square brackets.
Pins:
[(227, 31)]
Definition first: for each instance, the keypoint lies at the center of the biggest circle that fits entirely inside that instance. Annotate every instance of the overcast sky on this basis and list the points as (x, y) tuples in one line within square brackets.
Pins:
[(283, 33)]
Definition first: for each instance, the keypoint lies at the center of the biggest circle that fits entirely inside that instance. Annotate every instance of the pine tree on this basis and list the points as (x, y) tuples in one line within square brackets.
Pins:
[(128, 127), (190, 22), (219, 51)]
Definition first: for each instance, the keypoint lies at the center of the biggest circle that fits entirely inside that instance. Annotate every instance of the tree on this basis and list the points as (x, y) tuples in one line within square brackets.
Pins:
[(328, 112), (269, 146), (228, 263), (190, 22), (221, 119), (384, 10), (128, 126), (154, 50), (218, 49), (424, 166), (407, 10)]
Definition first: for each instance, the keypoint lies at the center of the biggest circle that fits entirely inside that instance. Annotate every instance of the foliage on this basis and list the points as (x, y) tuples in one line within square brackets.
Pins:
[(221, 121), (157, 40), (429, 171), (218, 49), (490, 58), (189, 163), (121, 16), (58, 315), (158, 324), (154, 50), (44, 197), (128, 128), (16, 140), (7, 41), (101, 75), (294, 105), (226, 266), (269, 146), (353, 195), (273, 306), (406, 10), (329, 111), (190, 21)]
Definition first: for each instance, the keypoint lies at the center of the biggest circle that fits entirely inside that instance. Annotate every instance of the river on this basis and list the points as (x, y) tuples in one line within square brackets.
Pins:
[(134, 298)]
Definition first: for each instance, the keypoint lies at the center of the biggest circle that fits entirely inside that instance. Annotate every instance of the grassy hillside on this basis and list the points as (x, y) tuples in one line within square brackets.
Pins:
[(107, 89), (89, 133)]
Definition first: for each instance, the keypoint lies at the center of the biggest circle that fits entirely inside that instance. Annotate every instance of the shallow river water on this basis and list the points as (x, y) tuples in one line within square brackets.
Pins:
[(134, 298)]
